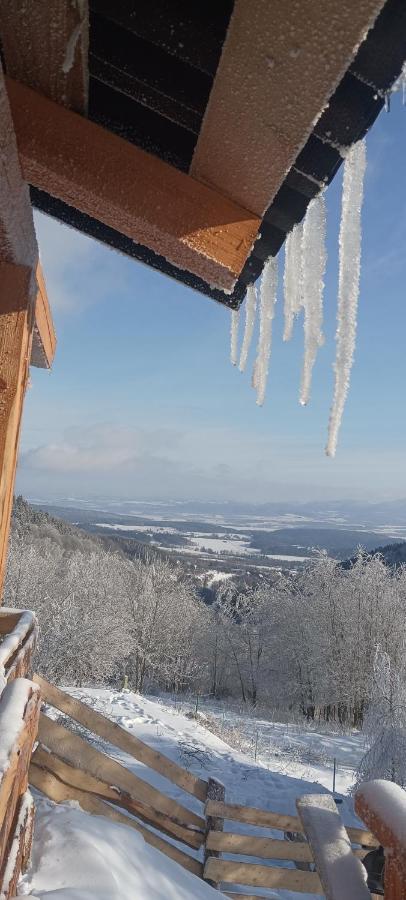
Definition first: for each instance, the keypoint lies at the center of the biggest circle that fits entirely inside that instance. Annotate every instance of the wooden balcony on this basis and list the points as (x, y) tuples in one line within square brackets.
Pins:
[(18, 636)]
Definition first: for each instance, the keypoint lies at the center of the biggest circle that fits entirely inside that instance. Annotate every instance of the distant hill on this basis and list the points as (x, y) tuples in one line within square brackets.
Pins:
[(394, 555)]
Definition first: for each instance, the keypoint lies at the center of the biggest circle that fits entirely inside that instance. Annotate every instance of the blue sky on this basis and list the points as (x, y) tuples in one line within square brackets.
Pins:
[(142, 401)]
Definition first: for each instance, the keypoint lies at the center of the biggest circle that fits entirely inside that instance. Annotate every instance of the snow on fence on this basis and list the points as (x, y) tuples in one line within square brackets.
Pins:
[(382, 806), (18, 637), (19, 710)]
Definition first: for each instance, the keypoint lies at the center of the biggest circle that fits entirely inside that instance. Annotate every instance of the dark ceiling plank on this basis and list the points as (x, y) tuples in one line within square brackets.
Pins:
[(149, 64), (45, 46), (192, 226), (193, 32), (140, 125), (144, 94), (380, 58)]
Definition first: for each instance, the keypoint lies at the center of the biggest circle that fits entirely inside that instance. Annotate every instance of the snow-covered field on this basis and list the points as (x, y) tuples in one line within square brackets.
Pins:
[(78, 857)]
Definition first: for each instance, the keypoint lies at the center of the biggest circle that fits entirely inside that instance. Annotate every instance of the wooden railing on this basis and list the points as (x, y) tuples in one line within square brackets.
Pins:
[(19, 710), (382, 806), (273, 850)]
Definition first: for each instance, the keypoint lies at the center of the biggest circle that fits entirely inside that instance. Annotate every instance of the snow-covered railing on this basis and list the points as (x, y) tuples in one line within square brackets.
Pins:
[(19, 710), (303, 878), (18, 636), (382, 806)]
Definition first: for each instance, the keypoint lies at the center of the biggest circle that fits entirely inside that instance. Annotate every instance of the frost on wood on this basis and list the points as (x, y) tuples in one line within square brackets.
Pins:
[(235, 321), (348, 284), (268, 291), (250, 310), (293, 278), (313, 268)]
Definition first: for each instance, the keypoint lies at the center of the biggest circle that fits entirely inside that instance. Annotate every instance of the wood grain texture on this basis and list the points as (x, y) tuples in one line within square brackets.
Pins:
[(44, 337), (45, 46), (119, 737), (382, 806), (221, 870), (149, 201), (19, 848)]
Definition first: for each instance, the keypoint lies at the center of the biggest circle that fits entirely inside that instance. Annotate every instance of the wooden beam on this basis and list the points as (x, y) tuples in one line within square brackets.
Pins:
[(45, 46), (382, 806), (44, 337), (18, 261), (149, 201), (221, 870), (280, 64)]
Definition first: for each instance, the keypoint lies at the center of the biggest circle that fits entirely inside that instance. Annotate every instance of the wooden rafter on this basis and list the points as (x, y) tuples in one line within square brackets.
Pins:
[(44, 338), (45, 45), (115, 182), (280, 64)]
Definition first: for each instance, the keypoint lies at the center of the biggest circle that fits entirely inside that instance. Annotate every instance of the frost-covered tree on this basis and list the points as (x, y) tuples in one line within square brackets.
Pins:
[(385, 723)]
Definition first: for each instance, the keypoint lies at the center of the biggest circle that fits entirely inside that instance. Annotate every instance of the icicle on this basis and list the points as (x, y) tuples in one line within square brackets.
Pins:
[(235, 321), (292, 278), (313, 265), (348, 284), (250, 310), (269, 285)]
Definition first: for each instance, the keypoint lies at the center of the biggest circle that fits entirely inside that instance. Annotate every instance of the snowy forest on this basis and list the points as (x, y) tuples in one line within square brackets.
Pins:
[(305, 644)]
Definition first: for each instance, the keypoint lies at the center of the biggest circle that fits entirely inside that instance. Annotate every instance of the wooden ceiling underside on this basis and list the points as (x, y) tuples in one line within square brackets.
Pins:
[(228, 93)]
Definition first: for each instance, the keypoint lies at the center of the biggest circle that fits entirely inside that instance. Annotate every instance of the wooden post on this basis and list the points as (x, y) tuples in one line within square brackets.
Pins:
[(18, 262), (382, 806), (215, 791)]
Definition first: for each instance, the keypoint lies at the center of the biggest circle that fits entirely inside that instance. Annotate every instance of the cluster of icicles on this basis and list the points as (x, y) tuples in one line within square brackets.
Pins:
[(303, 288)]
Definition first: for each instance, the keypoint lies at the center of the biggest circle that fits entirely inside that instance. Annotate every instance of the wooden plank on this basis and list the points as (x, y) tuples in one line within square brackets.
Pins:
[(82, 780), (59, 792), (342, 876), (154, 204), (21, 666), (44, 338), (46, 47), (119, 737), (19, 849), (8, 619), (76, 751), (280, 64), (214, 824), (250, 815), (221, 870), (263, 848)]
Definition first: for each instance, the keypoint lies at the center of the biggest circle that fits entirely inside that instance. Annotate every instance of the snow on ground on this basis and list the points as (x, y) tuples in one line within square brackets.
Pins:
[(78, 857)]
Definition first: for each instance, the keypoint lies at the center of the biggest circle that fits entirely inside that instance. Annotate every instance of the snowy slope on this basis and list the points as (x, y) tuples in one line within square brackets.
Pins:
[(78, 857)]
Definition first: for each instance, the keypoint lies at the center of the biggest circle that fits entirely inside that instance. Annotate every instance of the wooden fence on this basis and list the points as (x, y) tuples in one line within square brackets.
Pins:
[(65, 766)]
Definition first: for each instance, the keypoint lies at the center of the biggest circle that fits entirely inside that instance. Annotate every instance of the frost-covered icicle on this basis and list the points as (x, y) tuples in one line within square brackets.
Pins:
[(348, 284), (314, 264), (250, 310), (235, 321), (292, 278), (269, 286)]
